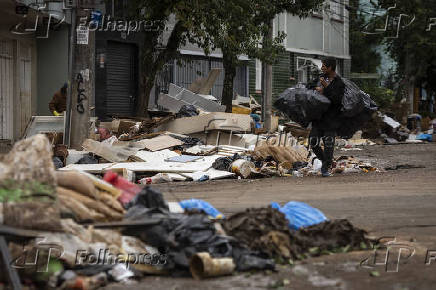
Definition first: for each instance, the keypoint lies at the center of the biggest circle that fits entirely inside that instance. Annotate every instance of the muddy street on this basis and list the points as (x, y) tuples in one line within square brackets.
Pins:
[(398, 203)]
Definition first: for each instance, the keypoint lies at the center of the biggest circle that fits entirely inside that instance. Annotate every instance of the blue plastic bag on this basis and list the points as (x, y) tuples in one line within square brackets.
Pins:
[(300, 214), (201, 204), (426, 137)]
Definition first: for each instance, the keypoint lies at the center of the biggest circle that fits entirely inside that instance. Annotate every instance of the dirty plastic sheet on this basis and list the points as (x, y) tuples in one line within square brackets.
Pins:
[(180, 236)]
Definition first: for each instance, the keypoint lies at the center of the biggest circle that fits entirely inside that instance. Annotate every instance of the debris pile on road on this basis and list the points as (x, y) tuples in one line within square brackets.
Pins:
[(112, 230), (267, 230)]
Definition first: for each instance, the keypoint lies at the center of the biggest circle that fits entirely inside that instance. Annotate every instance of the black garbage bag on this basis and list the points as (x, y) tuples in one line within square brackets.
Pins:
[(187, 111), (148, 198), (180, 236), (357, 110), (87, 159), (355, 101), (224, 163), (302, 105)]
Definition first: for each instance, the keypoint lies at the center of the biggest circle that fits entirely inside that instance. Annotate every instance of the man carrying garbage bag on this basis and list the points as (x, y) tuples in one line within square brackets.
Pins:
[(325, 128)]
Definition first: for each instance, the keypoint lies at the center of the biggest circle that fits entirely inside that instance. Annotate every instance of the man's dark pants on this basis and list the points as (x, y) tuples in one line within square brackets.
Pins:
[(327, 135)]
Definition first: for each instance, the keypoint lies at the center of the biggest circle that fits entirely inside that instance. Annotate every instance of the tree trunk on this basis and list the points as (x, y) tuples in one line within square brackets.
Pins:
[(229, 64), (154, 60)]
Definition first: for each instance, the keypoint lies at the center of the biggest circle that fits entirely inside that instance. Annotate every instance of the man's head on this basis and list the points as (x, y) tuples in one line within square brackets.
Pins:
[(64, 89), (328, 65)]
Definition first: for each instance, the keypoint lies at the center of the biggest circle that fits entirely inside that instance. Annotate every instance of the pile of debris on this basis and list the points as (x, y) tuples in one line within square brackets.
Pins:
[(98, 231), (386, 130)]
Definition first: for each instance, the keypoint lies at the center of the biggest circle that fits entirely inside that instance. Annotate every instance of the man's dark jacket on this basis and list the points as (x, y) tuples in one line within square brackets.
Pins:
[(331, 120)]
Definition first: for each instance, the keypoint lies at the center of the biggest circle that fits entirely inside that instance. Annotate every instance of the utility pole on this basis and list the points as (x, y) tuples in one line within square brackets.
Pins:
[(72, 40), (267, 87), (82, 81)]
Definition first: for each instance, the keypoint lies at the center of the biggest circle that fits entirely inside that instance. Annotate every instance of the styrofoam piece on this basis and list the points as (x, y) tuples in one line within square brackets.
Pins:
[(391, 122), (170, 103), (174, 90), (175, 207), (210, 121), (212, 173), (161, 155), (91, 168), (197, 149), (173, 167)]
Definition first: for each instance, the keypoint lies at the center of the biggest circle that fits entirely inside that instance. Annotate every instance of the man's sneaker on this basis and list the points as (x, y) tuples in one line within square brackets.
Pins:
[(325, 172)]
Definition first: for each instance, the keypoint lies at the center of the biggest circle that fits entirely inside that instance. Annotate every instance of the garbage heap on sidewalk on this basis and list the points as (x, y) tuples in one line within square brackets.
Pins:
[(88, 231)]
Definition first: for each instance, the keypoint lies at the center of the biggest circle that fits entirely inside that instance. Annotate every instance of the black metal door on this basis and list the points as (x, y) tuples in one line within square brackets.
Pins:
[(121, 79)]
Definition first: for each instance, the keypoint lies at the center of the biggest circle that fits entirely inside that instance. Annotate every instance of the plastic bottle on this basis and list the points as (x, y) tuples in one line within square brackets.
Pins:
[(129, 190), (201, 204)]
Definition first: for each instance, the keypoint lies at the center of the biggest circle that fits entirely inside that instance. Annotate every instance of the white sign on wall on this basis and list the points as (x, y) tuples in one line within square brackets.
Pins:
[(82, 35)]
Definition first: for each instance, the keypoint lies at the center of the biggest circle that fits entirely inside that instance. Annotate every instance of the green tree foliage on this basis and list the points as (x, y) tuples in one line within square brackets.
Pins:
[(237, 27), (414, 49), (363, 47), (240, 27)]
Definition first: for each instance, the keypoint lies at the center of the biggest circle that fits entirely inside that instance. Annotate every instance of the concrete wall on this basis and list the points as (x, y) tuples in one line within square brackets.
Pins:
[(52, 71)]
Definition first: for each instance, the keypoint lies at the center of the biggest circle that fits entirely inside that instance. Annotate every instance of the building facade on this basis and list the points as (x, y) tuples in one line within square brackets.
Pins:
[(323, 34), (31, 63)]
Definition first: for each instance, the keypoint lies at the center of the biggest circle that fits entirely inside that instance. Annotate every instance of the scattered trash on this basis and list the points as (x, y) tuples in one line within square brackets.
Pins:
[(202, 265), (426, 137), (187, 111), (242, 168), (129, 190)]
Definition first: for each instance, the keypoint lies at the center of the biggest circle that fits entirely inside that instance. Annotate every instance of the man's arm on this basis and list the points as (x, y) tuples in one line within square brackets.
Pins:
[(335, 91)]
